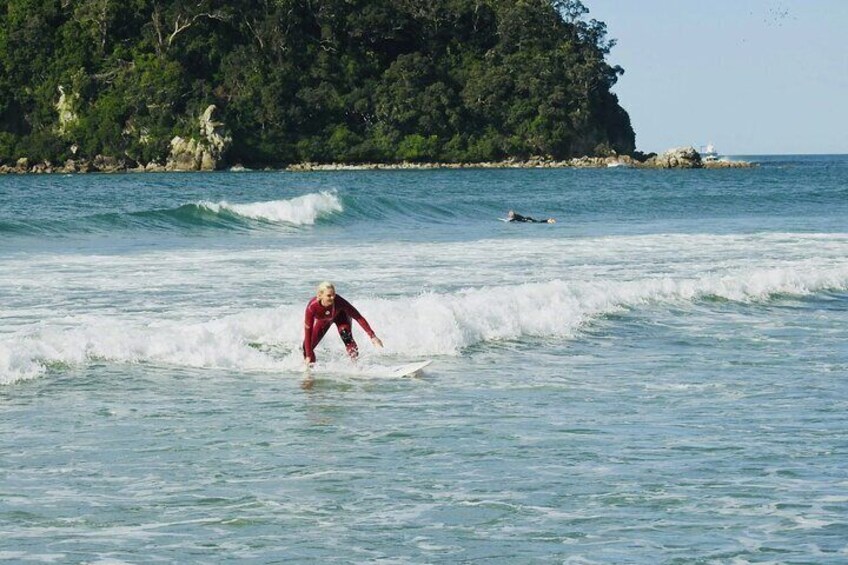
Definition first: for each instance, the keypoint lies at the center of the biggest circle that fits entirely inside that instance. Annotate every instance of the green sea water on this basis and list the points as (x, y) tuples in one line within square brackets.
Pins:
[(659, 377)]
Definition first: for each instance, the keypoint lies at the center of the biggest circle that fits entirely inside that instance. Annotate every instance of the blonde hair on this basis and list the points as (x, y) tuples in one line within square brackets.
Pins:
[(324, 287)]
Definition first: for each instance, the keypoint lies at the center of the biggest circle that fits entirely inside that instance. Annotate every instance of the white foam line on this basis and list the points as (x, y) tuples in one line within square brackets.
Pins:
[(426, 324), (302, 210)]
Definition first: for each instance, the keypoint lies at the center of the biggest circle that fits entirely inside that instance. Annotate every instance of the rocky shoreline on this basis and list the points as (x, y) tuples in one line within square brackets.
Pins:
[(678, 158)]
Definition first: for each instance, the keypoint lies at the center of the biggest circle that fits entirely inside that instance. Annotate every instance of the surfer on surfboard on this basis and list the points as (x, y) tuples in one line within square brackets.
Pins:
[(513, 216), (326, 309)]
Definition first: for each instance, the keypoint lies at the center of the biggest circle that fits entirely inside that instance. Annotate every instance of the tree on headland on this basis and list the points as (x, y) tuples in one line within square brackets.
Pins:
[(308, 80)]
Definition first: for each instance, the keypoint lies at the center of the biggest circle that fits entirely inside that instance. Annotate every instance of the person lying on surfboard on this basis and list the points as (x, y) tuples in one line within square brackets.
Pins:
[(512, 216), (326, 309)]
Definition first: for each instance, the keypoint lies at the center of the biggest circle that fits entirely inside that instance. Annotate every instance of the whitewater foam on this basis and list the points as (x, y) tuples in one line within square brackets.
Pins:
[(301, 210), (432, 323)]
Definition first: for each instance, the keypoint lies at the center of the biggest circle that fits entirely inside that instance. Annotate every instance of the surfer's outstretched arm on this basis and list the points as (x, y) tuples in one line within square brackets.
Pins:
[(353, 313), (308, 346)]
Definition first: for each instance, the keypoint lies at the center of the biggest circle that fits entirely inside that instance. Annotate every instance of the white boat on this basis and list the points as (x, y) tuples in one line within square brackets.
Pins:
[(709, 153)]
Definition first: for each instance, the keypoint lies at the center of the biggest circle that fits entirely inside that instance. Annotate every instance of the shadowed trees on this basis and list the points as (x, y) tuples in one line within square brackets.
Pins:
[(317, 80)]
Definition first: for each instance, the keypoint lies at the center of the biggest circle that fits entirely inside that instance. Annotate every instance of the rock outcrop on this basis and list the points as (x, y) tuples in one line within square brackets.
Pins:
[(677, 158), (204, 154), (65, 109), (107, 164), (689, 158)]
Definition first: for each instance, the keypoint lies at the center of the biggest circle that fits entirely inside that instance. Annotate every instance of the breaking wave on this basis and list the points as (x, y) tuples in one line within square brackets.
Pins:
[(432, 323)]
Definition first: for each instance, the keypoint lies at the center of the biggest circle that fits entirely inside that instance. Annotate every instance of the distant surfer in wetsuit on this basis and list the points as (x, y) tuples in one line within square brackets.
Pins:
[(512, 216), (326, 309)]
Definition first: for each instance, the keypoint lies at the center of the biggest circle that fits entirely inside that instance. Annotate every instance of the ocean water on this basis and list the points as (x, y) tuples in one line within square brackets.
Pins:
[(659, 377)]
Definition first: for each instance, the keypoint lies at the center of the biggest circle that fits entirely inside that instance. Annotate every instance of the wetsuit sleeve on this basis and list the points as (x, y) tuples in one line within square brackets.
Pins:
[(308, 321), (354, 313)]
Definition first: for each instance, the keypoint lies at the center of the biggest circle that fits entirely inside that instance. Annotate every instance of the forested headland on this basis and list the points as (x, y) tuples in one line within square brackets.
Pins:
[(344, 81)]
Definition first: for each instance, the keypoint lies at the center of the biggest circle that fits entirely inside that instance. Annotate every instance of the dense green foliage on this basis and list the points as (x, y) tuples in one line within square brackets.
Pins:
[(309, 80)]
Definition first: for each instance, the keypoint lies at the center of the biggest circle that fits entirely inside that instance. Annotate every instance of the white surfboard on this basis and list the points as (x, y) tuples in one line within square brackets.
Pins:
[(408, 370), (374, 371)]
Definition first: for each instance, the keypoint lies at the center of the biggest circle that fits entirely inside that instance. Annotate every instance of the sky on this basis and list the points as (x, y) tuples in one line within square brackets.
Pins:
[(753, 77)]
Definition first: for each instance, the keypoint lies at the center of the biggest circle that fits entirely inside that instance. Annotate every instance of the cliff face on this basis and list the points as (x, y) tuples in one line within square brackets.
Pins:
[(296, 80), (203, 153)]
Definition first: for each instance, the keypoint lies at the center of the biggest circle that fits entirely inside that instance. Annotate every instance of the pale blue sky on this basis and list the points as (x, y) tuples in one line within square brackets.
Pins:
[(750, 76)]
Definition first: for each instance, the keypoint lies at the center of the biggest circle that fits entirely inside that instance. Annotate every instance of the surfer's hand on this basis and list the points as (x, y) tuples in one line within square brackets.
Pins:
[(376, 341)]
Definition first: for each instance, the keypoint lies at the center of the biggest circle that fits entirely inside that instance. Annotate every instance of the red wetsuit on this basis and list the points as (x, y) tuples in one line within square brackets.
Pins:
[(318, 320)]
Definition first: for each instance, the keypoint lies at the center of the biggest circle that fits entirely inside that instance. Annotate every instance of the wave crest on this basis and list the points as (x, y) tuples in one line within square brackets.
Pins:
[(203, 215), (301, 210), (431, 324)]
